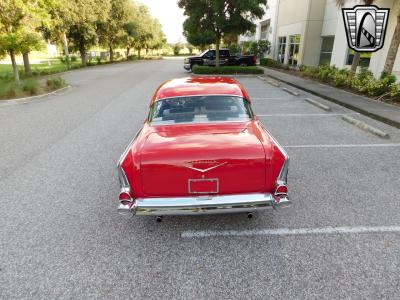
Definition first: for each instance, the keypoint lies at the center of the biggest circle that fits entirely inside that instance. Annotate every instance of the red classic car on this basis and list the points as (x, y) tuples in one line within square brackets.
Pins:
[(200, 151)]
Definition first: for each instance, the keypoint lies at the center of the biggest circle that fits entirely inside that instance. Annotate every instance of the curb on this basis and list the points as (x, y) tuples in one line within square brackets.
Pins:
[(271, 82), (365, 127), (349, 106), (294, 93), (317, 104), (21, 100)]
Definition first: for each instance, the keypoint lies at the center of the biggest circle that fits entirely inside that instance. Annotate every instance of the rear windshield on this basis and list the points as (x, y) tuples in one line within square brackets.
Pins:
[(200, 109)]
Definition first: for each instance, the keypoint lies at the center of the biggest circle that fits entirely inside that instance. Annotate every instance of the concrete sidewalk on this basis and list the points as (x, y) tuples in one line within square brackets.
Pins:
[(377, 110)]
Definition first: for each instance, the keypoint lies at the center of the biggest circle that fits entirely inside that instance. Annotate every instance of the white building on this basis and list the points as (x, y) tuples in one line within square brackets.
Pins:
[(265, 27), (312, 32)]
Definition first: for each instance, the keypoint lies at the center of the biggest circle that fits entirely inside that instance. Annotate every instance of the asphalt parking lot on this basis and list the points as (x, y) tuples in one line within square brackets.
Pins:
[(60, 235)]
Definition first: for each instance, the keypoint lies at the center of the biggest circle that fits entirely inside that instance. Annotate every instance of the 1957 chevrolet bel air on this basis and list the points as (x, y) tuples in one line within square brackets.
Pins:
[(201, 151)]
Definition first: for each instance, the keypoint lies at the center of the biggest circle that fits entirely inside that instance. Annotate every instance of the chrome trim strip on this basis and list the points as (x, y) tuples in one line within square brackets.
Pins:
[(206, 204), (200, 95), (205, 170)]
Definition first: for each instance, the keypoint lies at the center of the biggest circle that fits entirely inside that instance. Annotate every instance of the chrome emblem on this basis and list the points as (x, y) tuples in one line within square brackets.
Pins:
[(204, 170), (365, 27)]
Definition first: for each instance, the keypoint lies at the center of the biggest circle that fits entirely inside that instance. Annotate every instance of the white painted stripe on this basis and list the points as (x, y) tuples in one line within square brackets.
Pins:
[(307, 115), (344, 146), (266, 98), (189, 234)]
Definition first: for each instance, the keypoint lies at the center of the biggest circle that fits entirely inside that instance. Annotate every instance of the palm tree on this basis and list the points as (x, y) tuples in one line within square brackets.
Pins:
[(394, 45), (356, 58)]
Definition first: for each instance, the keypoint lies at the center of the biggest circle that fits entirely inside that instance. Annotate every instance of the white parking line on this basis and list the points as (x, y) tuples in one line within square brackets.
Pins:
[(190, 234), (307, 115), (344, 146)]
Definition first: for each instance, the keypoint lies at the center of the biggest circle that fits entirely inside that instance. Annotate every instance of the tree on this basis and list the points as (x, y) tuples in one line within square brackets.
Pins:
[(217, 18), (29, 41), (111, 31), (11, 21), (357, 55), (190, 47), (177, 48), (202, 37), (85, 16), (60, 19), (394, 45), (143, 30)]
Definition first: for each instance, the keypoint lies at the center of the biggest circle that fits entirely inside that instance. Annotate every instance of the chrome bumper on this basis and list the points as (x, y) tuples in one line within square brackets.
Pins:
[(201, 205), (187, 67)]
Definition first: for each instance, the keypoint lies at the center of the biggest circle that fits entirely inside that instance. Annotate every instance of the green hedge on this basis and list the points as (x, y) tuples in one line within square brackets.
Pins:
[(203, 70), (363, 82)]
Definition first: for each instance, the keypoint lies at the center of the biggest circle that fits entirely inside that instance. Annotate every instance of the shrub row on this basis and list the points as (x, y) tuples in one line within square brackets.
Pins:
[(363, 82), (29, 87), (55, 83), (204, 70)]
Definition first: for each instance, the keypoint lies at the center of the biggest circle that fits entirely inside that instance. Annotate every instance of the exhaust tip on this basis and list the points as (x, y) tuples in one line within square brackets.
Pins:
[(250, 215), (159, 219)]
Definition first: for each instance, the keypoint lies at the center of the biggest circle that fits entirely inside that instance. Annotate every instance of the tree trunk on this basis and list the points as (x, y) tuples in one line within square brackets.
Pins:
[(217, 64), (356, 62), (66, 50), (394, 47), (82, 51), (111, 54), (128, 50), (14, 66), (138, 52), (27, 65)]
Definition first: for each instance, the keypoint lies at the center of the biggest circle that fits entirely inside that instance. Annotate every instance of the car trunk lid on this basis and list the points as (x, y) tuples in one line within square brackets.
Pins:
[(202, 159)]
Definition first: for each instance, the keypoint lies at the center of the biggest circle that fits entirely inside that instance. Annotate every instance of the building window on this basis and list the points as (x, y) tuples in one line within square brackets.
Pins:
[(264, 30), (294, 46), (326, 50), (365, 58), (282, 49)]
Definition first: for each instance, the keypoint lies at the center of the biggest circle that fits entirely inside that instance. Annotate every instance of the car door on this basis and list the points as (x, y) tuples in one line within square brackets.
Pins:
[(224, 57), (209, 58)]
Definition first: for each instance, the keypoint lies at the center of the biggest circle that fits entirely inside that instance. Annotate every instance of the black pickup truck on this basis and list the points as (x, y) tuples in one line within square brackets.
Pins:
[(207, 58)]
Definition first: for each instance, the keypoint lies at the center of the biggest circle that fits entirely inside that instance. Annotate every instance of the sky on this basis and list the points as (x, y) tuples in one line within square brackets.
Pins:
[(170, 16)]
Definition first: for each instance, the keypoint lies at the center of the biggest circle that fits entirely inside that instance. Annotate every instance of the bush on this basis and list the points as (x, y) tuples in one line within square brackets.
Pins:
[(132, 57), (341, 77), (55, 83), (268, 62), (30, 86), (227, 70), (395, 90)]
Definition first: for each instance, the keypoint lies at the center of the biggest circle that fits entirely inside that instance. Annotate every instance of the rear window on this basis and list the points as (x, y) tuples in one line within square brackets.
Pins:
[(200, 109)]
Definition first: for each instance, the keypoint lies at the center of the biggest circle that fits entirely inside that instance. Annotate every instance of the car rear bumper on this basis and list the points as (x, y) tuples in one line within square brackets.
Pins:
[(202, 204)]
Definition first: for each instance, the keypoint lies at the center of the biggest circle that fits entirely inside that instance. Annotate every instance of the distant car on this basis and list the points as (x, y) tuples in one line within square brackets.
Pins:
[(201, 151), (207, 58)]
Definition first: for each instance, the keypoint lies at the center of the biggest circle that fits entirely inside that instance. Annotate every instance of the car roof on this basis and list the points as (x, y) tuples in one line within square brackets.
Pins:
[(200, 86)]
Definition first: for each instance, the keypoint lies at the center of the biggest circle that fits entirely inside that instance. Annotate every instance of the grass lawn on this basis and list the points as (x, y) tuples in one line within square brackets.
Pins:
[(43, 68)]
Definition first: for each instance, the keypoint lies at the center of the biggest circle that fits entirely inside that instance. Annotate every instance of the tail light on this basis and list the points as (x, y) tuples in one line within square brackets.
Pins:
[(281, 190), (125, 195)]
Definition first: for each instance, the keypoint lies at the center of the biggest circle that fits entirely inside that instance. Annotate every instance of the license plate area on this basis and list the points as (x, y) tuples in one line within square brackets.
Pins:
[(203, 186)]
